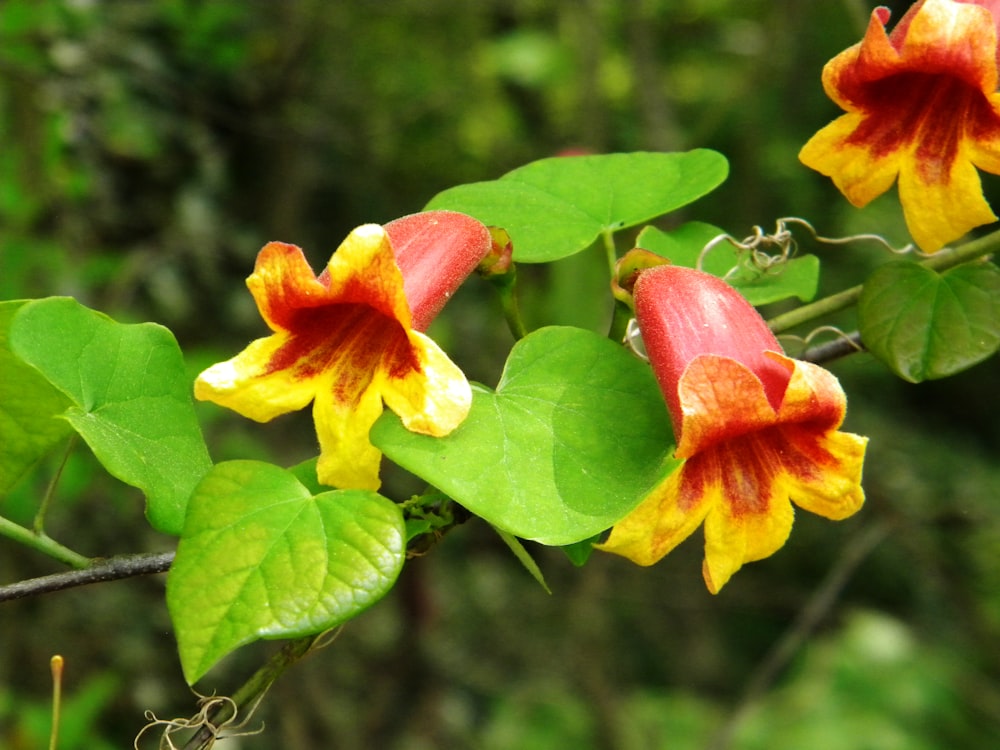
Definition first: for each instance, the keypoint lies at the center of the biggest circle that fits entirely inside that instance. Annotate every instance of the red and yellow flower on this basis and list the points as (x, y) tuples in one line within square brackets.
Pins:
[(350, 339), (756, 430), (922, 105)]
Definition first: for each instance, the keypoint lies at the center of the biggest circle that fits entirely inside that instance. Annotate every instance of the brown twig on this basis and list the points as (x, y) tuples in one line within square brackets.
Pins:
[(846, 344), (111, 569)]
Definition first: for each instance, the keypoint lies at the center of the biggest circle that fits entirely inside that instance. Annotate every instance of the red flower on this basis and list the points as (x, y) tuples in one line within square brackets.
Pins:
[(756, 429), (349, 339), (922, 104)]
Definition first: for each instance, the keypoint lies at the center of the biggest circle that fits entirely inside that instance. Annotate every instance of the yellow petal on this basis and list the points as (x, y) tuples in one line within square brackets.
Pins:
[(658, 524), (733, 538), (347, 458), (364, 270), (244, 384), (859, 175), (283, 283), (432, 400), (834, 489), (940, 211)]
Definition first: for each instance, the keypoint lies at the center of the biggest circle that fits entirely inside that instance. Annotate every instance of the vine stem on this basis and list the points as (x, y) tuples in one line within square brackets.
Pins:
[(97, 571), (253, 689), (506, 285), (43, 543), (610, 250), (940, 261)]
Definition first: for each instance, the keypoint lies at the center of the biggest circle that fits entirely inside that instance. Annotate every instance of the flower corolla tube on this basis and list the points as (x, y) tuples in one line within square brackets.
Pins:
[(922, 106), (756, 430), (350, 340)]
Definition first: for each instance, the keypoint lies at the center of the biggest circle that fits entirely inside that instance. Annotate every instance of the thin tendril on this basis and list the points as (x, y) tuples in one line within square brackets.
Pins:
[(809, 339), (768, 251)]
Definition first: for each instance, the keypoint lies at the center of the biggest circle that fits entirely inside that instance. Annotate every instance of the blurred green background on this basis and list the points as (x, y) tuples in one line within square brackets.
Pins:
[(149, 149)]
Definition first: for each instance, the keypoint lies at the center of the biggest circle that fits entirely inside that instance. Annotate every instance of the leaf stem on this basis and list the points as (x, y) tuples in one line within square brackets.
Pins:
[(251, 691), (940, 261), (43, 543), (619, 321), (506, 285), (39, 523), (610, 250)]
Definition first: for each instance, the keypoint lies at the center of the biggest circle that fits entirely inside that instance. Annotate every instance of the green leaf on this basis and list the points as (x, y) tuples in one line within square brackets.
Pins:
[(130, 394), (28, 407), (523, 557), (574, 436), (261, 557), (925, 325), (579, 552), (684, 246), (305, 472), (555, 207)]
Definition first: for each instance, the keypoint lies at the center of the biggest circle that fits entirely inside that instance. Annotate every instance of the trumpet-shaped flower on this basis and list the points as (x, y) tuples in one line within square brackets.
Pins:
[(347, 340), (922, 105), (756, 430)]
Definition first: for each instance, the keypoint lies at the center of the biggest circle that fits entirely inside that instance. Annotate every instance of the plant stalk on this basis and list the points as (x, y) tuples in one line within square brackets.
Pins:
[(250, 693), (940, 261), (43, 543)]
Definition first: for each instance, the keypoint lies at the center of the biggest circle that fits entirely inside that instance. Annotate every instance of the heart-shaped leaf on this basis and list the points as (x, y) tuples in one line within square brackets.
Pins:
[(925, 325), (261, 557), (569, 443), (684, 246), (130, 394), (28, 407), (555, 207)]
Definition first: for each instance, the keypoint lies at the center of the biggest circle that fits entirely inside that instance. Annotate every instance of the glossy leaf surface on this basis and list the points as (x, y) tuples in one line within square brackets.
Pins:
[(29, 405), (262, 557), (130, 398), (573, 436), (555, 207), (925, 325)]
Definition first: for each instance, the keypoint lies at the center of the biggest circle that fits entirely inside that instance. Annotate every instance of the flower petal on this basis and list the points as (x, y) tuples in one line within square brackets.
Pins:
[(349, 395), (822, 467), (434, 398), (347, 459), (733, 537), (955, 38), (249, 386), (813, 396), (282, 283), (659, 523), (364, 270), (720, 399), (940, 211), (922, 105), (858, 173), (824, 472)]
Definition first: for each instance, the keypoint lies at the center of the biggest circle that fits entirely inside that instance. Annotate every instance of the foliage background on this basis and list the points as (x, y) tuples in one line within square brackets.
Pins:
[(149, 149)]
